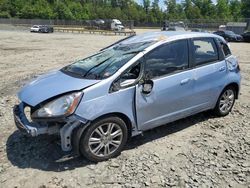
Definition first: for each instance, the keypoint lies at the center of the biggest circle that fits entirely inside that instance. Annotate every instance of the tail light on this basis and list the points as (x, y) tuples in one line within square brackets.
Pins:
[(238, 66), (233, 64)]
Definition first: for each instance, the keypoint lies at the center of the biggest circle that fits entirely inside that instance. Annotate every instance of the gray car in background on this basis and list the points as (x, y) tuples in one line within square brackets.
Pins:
[(42, 29)]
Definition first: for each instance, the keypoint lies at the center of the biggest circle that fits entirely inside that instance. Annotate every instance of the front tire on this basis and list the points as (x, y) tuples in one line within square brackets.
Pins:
[(104, 139), (225, 102)]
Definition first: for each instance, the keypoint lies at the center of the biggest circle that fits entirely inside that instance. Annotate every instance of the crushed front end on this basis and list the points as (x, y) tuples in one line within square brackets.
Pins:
[(62, 126)]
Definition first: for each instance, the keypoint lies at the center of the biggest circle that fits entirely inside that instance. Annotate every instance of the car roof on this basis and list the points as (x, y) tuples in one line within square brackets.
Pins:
[(166, 35)]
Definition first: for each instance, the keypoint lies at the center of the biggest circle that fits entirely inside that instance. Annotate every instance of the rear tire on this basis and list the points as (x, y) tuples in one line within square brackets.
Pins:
[(104, 139), (225, 102)]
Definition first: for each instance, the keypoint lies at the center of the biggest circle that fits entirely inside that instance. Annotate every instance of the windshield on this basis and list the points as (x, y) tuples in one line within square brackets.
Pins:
[(107, 62), (229, 32)]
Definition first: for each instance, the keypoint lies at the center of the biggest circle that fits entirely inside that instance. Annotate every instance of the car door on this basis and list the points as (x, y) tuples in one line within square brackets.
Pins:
[(172, 94), (209, 71)]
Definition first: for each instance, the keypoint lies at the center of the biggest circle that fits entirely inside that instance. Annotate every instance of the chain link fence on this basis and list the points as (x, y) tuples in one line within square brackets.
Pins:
[(206, 24), (60, 23)]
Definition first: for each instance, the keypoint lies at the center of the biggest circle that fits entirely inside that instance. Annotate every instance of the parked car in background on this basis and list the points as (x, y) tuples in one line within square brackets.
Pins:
[(108, 24), (222, 27), (199, 30), (246, 36), (176, 28), (99, 21), (35, 28), (229, 36), (142, 82), (42, 29)]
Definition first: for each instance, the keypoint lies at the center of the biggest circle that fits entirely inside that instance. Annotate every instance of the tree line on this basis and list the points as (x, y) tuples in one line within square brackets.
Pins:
[(147, 12)]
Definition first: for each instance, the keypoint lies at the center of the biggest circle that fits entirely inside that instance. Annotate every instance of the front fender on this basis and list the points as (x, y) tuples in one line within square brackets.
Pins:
[(121, 101)]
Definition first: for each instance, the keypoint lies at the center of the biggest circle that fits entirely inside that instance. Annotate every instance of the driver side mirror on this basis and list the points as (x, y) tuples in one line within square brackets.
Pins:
[(147, 86)]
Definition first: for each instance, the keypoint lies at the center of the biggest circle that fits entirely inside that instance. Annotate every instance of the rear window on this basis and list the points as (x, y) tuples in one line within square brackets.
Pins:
[(205, 51), (229, 32)]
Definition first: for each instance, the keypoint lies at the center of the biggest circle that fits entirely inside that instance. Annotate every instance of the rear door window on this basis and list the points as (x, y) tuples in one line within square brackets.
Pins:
[(167, 59), (205, 51)]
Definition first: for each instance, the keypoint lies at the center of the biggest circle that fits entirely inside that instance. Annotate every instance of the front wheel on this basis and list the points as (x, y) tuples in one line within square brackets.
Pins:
[(104, 139), (225, 102)]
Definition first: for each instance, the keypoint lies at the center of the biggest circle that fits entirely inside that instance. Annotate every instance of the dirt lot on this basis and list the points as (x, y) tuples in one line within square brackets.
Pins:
[(199, 151)]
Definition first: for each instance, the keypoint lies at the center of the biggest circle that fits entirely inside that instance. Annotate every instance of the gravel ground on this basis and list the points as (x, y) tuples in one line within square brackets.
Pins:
[(199, 151)]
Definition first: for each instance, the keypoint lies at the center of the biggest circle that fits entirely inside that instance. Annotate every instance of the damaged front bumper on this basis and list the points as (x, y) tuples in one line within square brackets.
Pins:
[(23, 124), (38, 128)]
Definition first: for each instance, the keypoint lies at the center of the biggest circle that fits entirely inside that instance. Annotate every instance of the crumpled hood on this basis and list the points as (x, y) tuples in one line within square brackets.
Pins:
[(50, 85)]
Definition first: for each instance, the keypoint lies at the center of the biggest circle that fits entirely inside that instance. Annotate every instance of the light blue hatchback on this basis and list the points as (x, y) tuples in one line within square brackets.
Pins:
[(136, 84)]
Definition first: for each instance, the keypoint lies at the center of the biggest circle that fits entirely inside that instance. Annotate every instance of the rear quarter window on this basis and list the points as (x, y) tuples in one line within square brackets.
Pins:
[(225, 49)]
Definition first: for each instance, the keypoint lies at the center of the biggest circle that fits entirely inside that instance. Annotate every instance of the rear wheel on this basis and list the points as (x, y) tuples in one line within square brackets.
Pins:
[(225, 102), (104, 139)]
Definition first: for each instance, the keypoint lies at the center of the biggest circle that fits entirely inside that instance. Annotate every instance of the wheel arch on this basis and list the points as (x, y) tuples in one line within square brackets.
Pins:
[(216, 109), (124, 117), (235, 86), (79, 131)]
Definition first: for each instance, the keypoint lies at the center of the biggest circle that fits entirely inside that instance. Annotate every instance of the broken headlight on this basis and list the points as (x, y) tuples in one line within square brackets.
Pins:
[(62, 106)]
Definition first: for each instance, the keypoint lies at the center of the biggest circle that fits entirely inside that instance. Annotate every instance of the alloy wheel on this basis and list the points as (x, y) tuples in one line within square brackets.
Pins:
[(226, 101), (105, 139)]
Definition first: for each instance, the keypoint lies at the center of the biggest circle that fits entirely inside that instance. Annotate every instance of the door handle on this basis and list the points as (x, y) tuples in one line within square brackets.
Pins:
[(185, 81), (222, 69)]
